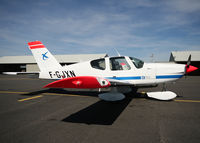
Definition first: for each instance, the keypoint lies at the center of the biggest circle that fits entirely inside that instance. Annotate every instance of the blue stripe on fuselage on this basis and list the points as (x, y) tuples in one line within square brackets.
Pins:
[(168, 76), (143, 77), (125, 78)]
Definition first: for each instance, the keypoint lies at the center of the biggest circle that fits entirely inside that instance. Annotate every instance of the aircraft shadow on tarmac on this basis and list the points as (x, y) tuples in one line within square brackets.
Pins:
[(103, 112), (100, 113)]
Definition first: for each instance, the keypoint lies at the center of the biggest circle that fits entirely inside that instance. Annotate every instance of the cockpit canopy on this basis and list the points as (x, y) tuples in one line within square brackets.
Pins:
[(116, 63)]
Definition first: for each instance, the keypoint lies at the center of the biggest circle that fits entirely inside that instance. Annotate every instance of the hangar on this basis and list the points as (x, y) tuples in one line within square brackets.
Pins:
[(182, 57), (28, 63)]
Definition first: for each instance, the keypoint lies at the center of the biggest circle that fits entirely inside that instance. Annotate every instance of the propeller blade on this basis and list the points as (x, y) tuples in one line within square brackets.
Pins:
[(189, 61), (187, 65)]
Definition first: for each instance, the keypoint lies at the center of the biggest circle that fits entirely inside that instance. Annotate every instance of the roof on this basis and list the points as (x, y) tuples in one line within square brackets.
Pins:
[(182, 56), (61, 58)]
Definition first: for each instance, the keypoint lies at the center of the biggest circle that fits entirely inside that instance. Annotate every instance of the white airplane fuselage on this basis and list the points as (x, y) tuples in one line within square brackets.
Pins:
[(148, 74), (106, 72)]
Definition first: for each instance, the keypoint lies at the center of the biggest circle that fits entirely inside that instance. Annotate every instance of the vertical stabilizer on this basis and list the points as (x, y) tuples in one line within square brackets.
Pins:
[(45, 60)]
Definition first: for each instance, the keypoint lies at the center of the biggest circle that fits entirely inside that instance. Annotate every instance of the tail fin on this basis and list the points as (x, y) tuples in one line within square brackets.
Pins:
[(43, 57)]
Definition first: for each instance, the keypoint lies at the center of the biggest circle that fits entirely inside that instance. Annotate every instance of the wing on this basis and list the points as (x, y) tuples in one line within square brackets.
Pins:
[(80, 82)]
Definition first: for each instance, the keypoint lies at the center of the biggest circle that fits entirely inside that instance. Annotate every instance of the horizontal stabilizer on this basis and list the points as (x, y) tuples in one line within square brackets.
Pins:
[(21, 73), (164, 95), (80, 82)]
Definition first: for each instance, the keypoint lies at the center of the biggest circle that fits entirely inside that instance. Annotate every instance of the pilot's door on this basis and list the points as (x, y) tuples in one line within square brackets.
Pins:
[(119, 67)]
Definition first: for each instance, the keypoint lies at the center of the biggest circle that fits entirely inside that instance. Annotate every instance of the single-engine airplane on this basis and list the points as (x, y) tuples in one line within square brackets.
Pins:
[(109, 72)]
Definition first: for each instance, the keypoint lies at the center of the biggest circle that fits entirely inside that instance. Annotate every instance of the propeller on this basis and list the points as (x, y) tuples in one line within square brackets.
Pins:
[(188, 67), (188, 61)]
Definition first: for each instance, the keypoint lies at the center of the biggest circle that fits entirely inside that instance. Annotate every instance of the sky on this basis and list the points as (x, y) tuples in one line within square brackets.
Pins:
[(137, 28)]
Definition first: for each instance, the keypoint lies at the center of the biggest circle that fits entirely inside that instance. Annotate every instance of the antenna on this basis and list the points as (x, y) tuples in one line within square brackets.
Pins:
[(117, 52), (152, 58)]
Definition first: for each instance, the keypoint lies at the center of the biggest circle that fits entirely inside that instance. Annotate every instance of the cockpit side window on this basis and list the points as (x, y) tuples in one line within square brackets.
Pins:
[(98, 64), (138, 63), (119, 63)]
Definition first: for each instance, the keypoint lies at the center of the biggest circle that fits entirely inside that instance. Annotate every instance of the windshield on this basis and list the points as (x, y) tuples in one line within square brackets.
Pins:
[(138, 63)]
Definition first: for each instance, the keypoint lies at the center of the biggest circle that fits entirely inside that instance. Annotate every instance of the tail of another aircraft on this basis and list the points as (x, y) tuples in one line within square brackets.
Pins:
[(43, 57)]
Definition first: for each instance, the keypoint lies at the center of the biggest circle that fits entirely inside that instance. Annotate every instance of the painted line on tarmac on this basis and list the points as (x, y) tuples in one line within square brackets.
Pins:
[(73, 95), (13, 92), (65, 94), (41, 95), (34, 97), (188, 101)]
